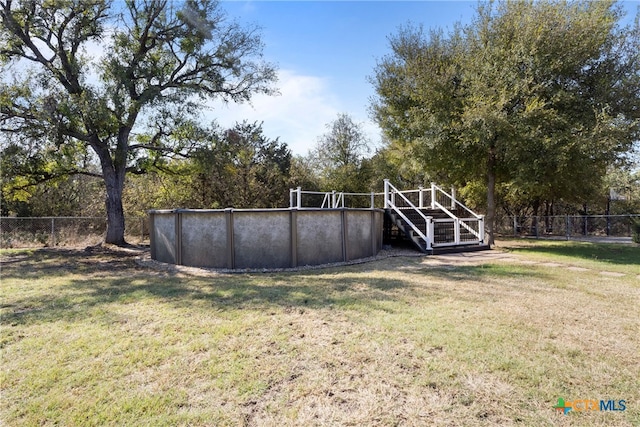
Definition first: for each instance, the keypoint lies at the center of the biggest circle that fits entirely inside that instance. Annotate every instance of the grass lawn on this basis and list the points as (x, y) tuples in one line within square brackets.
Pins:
[(623, 258), (91, 338)]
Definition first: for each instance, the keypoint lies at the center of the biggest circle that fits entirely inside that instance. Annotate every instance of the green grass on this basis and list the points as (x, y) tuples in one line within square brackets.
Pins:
[(95, 339), (623, 258)]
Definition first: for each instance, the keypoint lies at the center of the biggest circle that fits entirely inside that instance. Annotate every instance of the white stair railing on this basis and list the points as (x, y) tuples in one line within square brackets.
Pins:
[(390, 193), (438, 194)]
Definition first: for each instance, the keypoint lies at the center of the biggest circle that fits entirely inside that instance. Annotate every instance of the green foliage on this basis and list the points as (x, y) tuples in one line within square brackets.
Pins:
[(242, 168), (623, 190), (339, 157), (238, 167), (162, 61), (541, 96), (46, 180), (302, 174)]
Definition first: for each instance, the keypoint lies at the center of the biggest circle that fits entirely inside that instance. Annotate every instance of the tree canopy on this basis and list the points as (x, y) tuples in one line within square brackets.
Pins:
[(539, 95), (340, 156), (241, 167), (129, 106)]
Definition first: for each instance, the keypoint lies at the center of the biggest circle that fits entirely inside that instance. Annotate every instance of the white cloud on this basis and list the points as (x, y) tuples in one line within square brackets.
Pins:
[(298, 115)]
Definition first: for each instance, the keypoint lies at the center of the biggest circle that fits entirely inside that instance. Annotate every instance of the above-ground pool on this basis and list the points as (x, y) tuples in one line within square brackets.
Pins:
[(264, 238)]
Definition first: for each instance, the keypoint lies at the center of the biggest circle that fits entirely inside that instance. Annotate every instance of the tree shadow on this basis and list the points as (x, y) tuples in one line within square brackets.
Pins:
[(111, 279), (60, 262)]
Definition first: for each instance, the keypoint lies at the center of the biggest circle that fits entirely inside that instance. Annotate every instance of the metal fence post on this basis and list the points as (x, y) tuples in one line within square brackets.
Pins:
[(586, 227)]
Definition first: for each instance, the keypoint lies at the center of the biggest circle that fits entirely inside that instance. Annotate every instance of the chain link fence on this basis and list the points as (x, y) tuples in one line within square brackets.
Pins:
[(568, 226), (65, 231), (86, 231)]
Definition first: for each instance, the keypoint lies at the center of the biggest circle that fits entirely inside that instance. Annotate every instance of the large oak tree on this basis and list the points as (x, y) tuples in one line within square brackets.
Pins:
[(119, 79), (540, 95)]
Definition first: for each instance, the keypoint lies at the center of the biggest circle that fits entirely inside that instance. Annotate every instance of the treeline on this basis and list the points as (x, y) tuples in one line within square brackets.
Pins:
[(218, 168), (241, 167)]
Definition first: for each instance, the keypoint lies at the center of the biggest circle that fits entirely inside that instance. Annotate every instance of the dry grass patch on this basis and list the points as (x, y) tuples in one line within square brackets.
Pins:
[(94, 339)]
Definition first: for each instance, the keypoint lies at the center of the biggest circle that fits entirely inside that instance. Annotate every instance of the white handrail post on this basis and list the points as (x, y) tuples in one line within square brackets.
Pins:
[(420, 197), (386, 194), (430, 232), (299, 201), (433, 195), (333, 199), (373, 200), (456, 231), (453, 198), (291, 198), (481, 228)]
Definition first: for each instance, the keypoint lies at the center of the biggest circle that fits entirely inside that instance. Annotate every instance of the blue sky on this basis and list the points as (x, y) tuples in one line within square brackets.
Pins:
[(325, 51)]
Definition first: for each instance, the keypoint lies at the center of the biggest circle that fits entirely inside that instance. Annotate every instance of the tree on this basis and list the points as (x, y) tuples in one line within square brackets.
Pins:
[(538, 95), (241, 167), (339, 156), (161, 61), (302, 174)]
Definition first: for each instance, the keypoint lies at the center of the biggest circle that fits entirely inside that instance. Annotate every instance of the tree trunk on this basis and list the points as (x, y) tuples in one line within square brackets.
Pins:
[(113, 173), (534, 221), (115, 213), (491, 196)]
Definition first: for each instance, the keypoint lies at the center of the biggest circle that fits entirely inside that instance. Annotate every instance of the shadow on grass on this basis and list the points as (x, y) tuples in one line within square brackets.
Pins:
[(107, 279), (52, 263), (603, 252)]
